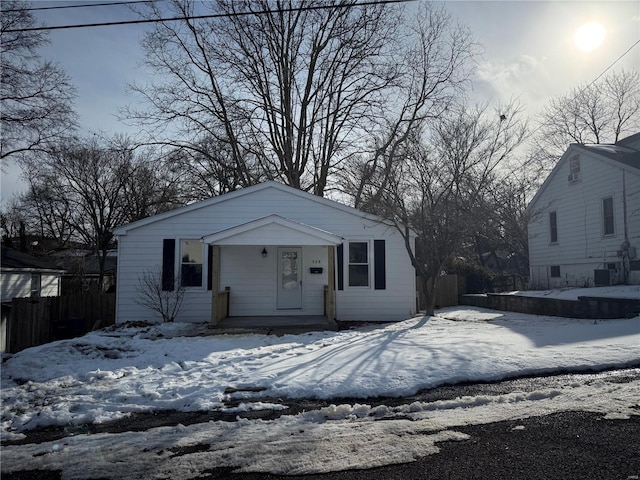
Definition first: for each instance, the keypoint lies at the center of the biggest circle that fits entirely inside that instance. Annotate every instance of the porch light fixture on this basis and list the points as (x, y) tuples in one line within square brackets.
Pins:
[(264, 252)]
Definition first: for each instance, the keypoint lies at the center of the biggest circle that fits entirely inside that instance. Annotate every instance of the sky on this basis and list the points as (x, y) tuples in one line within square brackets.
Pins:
[(112, 373), (529, 54)]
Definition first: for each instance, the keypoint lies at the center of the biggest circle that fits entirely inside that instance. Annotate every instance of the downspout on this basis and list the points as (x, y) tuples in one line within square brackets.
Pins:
[(624, 206), (625, 243)]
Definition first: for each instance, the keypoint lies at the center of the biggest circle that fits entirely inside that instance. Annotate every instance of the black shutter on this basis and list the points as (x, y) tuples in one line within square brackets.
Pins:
[(340, 255), (168, 264), (210, 267), (379, 271)]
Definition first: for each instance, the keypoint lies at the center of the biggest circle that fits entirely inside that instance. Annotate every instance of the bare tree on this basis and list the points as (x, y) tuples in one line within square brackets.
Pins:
[(435, 66), (36, 96), (87, 180), (440, 185), (153, 296), (207, 169), (503, 230), (48, 215), (602, 112), (291, 85)]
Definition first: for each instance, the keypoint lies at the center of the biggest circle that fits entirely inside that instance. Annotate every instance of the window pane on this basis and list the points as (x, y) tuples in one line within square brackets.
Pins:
[(289, 271), (358, 275), (358, 252), (191, 263), (553, 226), (36, 281), (607, 211), (191, 275), (555, 271), (191, 251)]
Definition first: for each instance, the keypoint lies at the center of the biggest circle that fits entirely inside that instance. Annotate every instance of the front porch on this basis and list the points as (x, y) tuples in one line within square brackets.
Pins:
[(272, 272), (282, 324)]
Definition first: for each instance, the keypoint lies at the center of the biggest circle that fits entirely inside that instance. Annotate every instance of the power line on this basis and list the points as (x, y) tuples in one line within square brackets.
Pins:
[(200, 17), (615, 61), (33, 9), (595, 79)]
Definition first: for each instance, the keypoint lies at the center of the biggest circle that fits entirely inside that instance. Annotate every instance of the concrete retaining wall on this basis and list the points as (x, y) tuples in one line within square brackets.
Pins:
[(584, 307)]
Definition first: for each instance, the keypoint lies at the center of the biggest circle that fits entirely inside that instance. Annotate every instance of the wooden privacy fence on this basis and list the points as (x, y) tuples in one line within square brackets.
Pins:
[(446, 292), (34, 321)]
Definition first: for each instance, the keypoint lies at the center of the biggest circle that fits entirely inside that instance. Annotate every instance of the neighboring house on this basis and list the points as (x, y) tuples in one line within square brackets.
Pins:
[(280, 251), (83, 271), (585, 226), (23, 275)]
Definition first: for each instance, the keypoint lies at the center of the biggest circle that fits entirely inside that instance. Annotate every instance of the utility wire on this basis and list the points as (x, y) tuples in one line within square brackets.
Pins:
[(615, 61), (595, 79), (200, 17), (33, 9)]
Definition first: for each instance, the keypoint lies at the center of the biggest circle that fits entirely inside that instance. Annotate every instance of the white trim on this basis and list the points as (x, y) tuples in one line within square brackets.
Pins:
[(565, 158), (316, 236), (33, 269)]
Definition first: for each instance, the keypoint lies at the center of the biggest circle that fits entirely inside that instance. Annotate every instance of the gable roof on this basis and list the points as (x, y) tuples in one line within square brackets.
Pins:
[(620, 154), (247, 191), (296, 233), (13, 259)]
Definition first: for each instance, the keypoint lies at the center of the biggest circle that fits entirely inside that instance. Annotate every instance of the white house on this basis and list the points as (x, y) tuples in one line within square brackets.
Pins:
[(585, 225), (277, 251), (22, 275)]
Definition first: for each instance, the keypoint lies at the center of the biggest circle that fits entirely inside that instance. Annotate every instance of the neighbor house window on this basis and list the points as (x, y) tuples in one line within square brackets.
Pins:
[(574, 169), (358, 264), (608, 226), (191, 263), (36, 285), (555, 271), (553, 227)]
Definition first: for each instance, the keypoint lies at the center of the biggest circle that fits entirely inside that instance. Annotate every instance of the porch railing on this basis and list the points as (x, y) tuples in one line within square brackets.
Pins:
[(329, 303), (222, 305)]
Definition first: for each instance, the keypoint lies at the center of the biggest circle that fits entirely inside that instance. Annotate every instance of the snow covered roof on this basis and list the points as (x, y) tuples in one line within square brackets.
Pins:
[(618, 153), (623, 154)]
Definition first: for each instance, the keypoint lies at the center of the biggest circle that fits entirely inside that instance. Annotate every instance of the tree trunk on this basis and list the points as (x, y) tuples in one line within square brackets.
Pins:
[(429, 293)]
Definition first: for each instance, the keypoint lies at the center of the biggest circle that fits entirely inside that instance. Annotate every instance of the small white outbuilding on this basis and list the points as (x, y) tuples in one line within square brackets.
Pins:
[(268, 250)]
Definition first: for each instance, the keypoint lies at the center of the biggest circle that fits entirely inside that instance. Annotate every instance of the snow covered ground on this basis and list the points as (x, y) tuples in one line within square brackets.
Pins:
[(570, 293), (108, 374)]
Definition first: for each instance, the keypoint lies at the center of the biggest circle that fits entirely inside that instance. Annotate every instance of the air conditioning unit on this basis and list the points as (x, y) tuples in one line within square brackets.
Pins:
[(602, 278)]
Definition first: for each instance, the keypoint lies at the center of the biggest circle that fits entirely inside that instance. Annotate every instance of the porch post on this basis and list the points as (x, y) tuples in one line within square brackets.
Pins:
[(216, 315), (331, 277)]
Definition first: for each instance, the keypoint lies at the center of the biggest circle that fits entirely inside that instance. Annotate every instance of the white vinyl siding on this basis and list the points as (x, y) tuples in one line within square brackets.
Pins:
[(253, 284), (18, 285), (141, 248), (583, 246)]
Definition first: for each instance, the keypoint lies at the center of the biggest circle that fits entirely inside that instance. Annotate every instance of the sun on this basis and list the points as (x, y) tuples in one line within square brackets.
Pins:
[(590, 36)]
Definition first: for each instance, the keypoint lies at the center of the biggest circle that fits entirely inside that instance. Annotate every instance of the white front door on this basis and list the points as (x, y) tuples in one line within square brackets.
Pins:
[(289, 278)]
